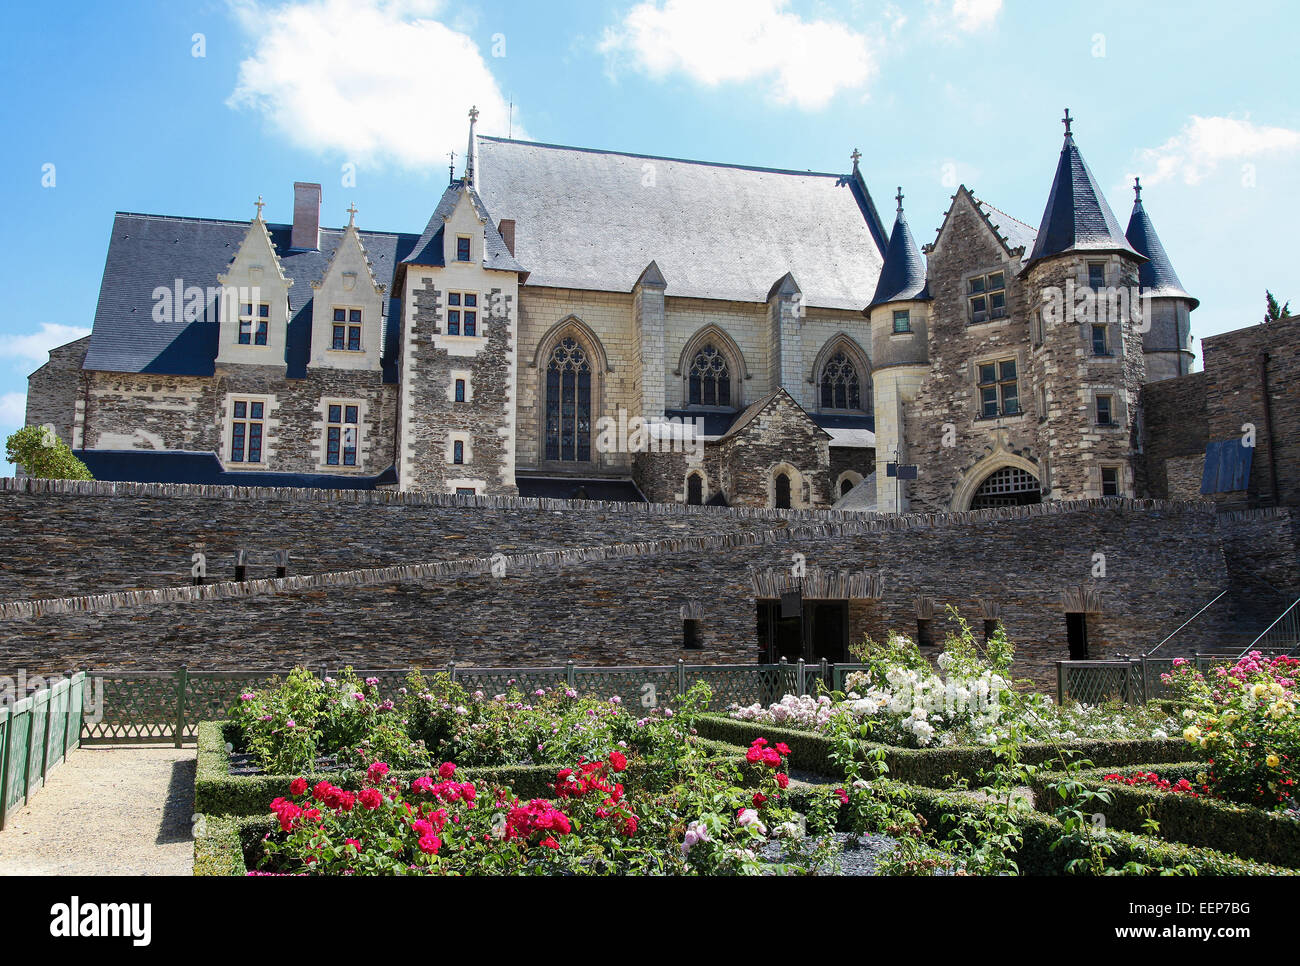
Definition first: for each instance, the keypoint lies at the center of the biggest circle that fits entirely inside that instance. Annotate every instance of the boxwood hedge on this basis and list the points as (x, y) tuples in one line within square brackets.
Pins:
[(934, 767), (1252, 833)]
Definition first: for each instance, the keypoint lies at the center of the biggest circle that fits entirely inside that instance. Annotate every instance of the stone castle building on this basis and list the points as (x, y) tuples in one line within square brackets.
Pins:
[(584, 323)]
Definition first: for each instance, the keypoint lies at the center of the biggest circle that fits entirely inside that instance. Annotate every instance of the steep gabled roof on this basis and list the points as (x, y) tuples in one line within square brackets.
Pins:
[(1156, 276), (1015, 234), (429, 249), (588, 219), (755, 409), (146, 252), (1077, 217), (903, 276)]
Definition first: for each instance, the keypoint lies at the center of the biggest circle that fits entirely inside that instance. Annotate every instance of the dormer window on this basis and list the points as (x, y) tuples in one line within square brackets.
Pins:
[(462, 313), (347, 330), (254, 319), (462, 248), (988, 297)]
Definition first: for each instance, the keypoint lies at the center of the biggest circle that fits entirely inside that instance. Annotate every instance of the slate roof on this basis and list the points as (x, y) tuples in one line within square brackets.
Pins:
[(903, 277), (587, 219), (175, 466), (429, 248), (1156, 276), (752, 411), (148, 251), (1015, 232), (1077, 217), (570, 488)]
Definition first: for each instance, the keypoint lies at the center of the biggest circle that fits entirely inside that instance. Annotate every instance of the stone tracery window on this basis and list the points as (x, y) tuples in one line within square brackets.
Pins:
[(568, 402), (710, 378), (840, 387)]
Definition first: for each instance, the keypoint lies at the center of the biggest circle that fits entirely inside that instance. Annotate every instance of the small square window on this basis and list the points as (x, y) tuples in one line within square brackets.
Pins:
[(902, 320), (462, 249)]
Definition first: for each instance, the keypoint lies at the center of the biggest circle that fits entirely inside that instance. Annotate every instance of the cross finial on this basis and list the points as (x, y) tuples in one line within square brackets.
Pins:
[(1067, 121), (856, 155), (899, 198), (1137, 189), (473, 114), (260, 205), (352, 214)]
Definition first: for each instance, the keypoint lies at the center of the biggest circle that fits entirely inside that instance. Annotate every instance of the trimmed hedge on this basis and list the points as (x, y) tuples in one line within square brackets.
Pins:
[(1250, 832), (217, 792), (933, 767), (223, 849)]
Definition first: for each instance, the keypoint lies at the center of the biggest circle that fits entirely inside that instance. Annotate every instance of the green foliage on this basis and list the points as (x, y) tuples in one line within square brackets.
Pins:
[(896, 651), (43, 455), (1273, 311)]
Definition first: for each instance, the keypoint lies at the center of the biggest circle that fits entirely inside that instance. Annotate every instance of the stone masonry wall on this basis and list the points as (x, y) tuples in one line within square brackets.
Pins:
[(1174, 426), (54, 388)]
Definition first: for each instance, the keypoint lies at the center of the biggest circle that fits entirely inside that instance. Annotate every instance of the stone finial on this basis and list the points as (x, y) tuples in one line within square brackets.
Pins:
[(451, 166), (260, 205), (1137, 189), (856, 156), (352, 214), (899, 198), (1067, 121)]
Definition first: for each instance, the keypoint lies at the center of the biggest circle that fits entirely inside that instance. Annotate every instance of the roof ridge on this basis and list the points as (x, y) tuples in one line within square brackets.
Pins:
[(661, 157), (243, 222)]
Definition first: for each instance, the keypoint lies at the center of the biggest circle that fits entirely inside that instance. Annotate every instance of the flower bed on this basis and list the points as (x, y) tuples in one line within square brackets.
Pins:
[(1252, 833), (936, 767)]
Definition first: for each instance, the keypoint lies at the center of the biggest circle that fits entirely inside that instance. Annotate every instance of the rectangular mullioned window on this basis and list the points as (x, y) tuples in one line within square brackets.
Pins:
[(341, 432), (254, 320), (246, 430), (902, 320), (999, 389), (462, 313), (347, 330), (987, 297)]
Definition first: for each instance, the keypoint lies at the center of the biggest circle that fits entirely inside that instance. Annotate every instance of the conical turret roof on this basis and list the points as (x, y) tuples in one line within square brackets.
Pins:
[(902, 277), (1157, 276)]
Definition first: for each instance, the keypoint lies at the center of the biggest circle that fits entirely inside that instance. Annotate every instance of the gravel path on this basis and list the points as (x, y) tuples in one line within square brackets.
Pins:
[(139, 801)]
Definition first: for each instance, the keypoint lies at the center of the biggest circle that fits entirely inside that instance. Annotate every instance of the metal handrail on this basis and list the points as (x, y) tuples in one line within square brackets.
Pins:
[(1280, 617), (1185, 623)]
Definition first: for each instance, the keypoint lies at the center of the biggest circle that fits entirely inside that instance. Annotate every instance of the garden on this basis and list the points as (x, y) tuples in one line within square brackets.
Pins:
[(915, 767)]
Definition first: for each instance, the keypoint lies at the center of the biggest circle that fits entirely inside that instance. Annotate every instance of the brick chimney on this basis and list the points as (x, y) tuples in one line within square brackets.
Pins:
[(507, 231), (306, 216)]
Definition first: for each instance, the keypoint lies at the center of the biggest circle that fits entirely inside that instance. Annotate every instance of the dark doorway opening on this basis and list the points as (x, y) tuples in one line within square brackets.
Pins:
[(782, 487), (1076, 633), (1009, 486), (691, 635), (694, 489), (820, 630)]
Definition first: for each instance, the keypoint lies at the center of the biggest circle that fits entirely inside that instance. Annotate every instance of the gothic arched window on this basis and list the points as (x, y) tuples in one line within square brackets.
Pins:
[(710, 378), (840, 383), (568, 402)]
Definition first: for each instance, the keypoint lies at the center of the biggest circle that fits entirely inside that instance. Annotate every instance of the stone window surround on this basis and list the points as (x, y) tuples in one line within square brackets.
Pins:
[(322, 439), (346, 325), (842, 341), (570, 326), (467, 449), (462, 375), (1118, 409), (477, 309), (799, 486), (269, 405), (712, 333), (253, 317), (705, 490), (967, 295), (853, 476), (988, 357)]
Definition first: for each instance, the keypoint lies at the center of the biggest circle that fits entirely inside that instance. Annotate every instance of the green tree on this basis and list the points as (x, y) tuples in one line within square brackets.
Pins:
[(42, 454), (1276, 312)]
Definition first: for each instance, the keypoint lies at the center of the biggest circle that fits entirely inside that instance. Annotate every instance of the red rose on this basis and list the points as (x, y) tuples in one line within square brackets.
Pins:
[(446, 770), (618, 760), (298, 786), (782, 780)]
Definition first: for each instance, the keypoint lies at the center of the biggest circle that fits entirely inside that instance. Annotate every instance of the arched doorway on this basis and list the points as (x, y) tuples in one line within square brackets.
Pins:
[(782, 491), (1008, 486)]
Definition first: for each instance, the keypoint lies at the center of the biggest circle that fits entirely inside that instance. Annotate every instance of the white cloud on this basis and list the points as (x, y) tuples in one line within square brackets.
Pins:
[(34, 347), (714, 42), (972, 15), (13, 411), (1204, 143), (374, 80)]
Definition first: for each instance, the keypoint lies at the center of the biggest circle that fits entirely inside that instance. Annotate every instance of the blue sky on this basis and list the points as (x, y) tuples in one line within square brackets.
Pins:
[(1194, 97)]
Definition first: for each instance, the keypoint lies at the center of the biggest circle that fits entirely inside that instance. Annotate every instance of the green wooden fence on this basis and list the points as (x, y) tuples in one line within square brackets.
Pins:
[(36, 734)]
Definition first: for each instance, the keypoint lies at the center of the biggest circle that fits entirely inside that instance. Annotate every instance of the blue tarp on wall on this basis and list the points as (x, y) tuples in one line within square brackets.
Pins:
[(1227, 466)]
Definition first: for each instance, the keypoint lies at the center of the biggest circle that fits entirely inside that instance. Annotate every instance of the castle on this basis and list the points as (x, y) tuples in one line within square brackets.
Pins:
[(583, 323)]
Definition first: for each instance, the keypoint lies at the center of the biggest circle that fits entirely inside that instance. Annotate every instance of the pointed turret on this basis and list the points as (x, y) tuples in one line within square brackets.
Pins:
[(1166, 344), (1077, 217), (1157, 276), (902, 277), (471, 150)]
